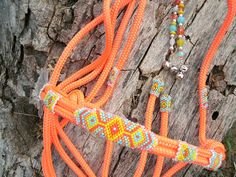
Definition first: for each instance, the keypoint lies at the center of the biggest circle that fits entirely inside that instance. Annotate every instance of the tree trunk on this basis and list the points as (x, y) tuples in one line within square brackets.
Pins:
[(33, 34)]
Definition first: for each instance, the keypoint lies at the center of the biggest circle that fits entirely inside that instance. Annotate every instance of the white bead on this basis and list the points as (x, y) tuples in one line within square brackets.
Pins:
[(180, 36), (175, 9), (180, 24), (171, 48), (172, 41), (174, 20), (180, 48), (172, 35)]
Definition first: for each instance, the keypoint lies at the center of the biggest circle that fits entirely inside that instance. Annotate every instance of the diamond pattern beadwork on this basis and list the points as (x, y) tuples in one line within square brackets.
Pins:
[(215, 161), (157, 87), (116, 129), (50, 99), (165, 103), (186, 153)]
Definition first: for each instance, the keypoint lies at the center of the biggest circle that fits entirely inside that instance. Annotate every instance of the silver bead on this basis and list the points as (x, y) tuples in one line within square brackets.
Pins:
[(184, 68), (179, 75), (166, 64), (174, 69)]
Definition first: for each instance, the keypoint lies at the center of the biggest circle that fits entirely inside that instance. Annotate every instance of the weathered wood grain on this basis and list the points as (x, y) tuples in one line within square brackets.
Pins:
[(33, 35)]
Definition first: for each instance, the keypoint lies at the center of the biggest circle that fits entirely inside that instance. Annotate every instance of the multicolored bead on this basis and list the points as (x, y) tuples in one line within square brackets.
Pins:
[(50, 100), (116, 129), (215, 161), (186, 153), (165, 103), (113, 76), (157, 87), (204, 98)]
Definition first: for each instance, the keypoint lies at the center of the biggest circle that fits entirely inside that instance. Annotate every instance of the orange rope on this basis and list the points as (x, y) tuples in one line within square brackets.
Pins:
[(72, 99), (148, 126), (163, 132)]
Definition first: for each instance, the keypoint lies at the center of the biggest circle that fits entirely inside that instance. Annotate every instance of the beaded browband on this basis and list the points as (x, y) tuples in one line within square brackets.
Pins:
[(64, 103)]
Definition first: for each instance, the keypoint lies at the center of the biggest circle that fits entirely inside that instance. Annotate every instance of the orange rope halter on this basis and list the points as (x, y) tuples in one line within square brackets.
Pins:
[(64, 100)]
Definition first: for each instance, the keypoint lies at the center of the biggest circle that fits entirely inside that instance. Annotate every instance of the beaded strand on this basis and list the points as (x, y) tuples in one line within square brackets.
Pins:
[(177, 27)]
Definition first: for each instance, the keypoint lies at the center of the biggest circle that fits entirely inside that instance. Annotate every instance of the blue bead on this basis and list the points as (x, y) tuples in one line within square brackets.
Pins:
[(173, 28), (181, 19), (180, 54)]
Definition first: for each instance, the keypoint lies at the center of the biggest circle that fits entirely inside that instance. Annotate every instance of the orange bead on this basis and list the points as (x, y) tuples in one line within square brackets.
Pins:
[(180, 31), (174, 16)]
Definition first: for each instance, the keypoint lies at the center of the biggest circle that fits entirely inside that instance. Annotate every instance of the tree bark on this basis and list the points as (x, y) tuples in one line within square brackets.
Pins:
[(33, 34)]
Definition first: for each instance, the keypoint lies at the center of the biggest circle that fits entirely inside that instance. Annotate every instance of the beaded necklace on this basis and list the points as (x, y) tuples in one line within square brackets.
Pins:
[(66, 101)]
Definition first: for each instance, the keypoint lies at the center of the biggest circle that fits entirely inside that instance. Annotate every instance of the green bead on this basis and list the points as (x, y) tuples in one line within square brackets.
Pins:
[(180, 53)]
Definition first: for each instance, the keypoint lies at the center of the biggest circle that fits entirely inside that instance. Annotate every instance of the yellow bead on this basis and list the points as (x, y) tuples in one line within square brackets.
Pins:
[(173, 23), (181, 5), (180, 42), (173, 32), (180, 12)]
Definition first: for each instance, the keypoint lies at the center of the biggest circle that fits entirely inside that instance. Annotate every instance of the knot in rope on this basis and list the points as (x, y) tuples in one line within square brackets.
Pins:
[(217, 150), (77, 96), (215, 145)]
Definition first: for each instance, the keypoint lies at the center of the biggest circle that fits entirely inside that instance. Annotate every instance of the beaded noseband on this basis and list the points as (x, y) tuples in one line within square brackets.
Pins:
[(65, 101)]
